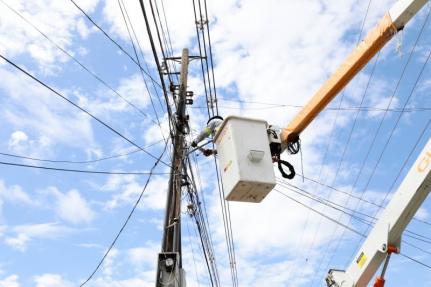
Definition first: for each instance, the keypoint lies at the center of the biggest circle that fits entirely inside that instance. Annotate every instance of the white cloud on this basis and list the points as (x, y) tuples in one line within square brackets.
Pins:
[(23, 234), (144, 257), (18, 37), (131, 90), (15, 194), (154, 131), (32, 107), (17, 138), (51, 280), (127, 189), (71, 206), (19, 242), (109, 265), (10, 281)]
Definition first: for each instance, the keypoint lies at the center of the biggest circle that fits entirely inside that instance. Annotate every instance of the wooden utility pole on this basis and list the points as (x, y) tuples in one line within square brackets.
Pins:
[(169, 268)]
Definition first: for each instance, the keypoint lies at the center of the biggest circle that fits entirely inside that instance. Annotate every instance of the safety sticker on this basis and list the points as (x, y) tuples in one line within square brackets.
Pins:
[(361, 260)]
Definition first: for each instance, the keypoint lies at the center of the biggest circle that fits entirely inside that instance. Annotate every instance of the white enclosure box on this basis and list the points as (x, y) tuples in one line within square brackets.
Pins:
[(246, 167)]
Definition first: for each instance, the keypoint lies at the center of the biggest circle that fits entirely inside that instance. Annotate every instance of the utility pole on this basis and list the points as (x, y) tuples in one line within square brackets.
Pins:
[(169, 267)]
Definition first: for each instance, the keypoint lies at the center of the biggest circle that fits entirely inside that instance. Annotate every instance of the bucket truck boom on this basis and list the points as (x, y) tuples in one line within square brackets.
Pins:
[(385, 237)]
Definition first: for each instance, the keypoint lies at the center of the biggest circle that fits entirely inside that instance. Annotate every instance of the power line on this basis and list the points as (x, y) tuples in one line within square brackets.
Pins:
[(354, 196), (79, 161), (211, 55), (159, 38), (80, 108), (145, 63), (126, 221), (346, 210), (142, 74), (156, 59), (201, 60), (193, 253), (114, 42), (201, 218), (78, 170), (415, 260), (346, 227), (227, 226), (202, 23), (322, 214)]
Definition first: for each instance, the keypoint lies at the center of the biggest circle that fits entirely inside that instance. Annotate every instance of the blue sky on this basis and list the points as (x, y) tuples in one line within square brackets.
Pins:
[(55, 226)]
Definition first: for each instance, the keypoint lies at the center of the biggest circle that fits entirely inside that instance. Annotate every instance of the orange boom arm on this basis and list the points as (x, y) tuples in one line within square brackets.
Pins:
[(392, 22)]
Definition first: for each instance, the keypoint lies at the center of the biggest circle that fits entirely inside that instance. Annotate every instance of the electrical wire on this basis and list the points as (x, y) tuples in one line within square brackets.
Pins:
[(156, 25), (346, 227), (228, 226), (80, 161), (201, 57), (78, 170), (80, 108), (204, 55), (415, 260), (322, 214), (355, 196), (156, 91), (211, 56), (115, 42), (142, 74), (365, 218), (167, 26), (202, 225), (129, 216), (156, 59), (204, 210), (193, 253)]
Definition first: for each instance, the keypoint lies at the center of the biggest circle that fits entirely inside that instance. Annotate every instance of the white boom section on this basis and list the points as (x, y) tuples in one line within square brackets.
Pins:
[(404, 10), (390, 226)]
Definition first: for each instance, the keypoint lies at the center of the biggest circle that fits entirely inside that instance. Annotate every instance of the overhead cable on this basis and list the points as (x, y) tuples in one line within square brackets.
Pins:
[(201, 57), (156, 58), (80, 161), (79, 170), (142, 74), (346, 227), (114, 42)]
